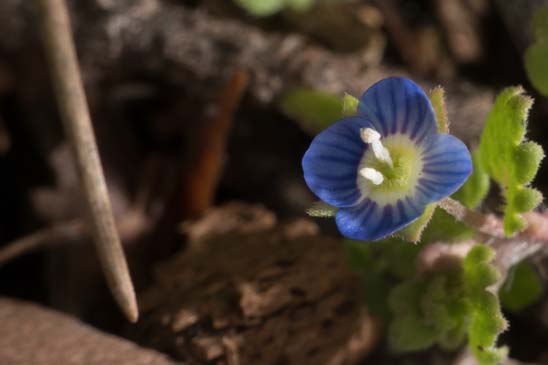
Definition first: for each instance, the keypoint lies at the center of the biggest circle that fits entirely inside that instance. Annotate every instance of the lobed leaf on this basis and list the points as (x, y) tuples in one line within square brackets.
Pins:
[(509, 161), (486, 320)]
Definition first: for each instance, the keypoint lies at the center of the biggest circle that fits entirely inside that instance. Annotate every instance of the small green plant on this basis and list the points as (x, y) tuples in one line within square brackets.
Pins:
[(382, 198)]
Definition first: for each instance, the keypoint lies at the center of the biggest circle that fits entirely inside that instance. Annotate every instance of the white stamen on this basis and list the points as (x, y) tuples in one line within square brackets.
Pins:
[(372, 175), (372, 137)]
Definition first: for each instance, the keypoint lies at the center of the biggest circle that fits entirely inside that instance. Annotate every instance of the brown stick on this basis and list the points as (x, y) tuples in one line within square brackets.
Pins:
[(201, 177), (71, 100)]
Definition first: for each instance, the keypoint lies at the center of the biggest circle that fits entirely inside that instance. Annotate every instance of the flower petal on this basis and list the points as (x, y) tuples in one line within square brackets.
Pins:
[(398, 105), (446, 166), (370, 221), (331, 162)]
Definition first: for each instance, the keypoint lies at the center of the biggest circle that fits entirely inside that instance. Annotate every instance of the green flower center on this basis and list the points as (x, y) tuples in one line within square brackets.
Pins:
[(400, 178)]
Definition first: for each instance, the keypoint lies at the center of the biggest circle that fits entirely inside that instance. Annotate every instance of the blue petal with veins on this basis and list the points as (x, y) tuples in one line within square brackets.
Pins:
[(399, 110)]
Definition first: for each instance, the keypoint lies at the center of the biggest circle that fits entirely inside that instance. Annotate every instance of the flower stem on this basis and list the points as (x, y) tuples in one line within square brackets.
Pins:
[(487, 225)]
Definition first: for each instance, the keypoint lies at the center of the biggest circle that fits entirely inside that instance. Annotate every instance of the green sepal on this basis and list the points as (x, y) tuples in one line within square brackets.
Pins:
[(413, 232), (320, 209), (437, 98), (313, 110), (475, 189), (536, 56), (350, 105), (523, 287), (505, 158)]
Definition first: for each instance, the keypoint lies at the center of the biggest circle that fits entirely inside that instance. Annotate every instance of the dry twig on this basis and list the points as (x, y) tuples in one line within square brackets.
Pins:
[(61, 54), (200, 178), (58, 233)]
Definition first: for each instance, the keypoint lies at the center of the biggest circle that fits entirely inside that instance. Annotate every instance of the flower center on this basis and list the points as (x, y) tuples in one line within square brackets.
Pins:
[(389, 171)]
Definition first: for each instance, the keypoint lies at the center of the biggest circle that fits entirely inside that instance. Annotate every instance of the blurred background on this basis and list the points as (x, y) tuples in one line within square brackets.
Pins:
[(201, 135)]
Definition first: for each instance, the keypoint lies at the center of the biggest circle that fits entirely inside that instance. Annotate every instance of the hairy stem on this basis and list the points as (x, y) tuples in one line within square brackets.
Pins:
[(487, 225)]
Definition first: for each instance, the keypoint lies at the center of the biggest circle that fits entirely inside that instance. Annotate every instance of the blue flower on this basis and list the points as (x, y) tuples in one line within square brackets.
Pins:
[(382, 167)]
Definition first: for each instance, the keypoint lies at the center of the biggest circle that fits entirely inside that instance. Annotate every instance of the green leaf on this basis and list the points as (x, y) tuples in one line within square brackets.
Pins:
[(486, 320), (536, 56), (475, 189), (506, 159), (313, 110), (320, 209), (261, 8), (437, 98), (522, 288)]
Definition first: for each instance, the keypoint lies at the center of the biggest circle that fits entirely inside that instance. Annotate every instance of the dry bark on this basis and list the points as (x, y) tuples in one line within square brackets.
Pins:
[(249, 290)]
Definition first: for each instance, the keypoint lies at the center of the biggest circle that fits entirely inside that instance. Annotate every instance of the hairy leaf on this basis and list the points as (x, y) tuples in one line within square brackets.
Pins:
[(486, 320), (509, 161)]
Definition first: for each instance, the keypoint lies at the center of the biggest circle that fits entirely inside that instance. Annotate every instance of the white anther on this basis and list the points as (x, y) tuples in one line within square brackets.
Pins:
[(372, 175), (369, 135), (372, 137)]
